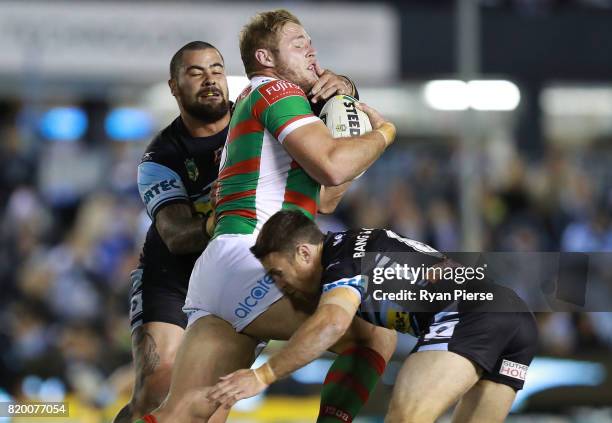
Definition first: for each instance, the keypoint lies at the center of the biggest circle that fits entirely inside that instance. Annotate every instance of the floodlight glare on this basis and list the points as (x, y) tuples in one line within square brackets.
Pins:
[(492, 95)]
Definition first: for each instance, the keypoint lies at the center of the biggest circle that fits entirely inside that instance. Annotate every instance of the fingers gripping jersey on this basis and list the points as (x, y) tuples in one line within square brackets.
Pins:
[(258, 177)]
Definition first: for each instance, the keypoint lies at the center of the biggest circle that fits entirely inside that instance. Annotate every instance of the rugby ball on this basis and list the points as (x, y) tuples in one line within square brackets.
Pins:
[(343, 119)]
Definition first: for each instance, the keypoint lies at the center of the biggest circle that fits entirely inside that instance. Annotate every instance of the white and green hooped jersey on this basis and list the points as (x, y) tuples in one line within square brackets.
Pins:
[(257, 177)]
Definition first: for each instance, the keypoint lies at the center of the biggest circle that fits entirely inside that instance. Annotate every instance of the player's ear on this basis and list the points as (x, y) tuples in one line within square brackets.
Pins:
[(264, 57), (173, 87), (303, 253)]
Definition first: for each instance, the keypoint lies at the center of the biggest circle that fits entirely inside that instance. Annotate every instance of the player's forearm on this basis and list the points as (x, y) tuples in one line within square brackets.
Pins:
[(353, 155), (312, 339), (186, 235), (330, 197)]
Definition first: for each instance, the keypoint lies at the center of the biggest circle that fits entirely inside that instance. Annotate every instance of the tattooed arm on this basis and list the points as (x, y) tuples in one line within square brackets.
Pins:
[(182, 230)]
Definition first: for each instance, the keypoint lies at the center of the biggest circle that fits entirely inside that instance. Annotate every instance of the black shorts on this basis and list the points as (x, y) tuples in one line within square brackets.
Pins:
[(155, 302), (502, 344)]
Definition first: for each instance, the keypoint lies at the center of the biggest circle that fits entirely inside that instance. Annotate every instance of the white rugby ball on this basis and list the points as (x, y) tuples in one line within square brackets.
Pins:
[(343, 119)]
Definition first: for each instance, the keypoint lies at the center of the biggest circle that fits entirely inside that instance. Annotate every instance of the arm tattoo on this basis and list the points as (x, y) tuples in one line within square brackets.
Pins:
[(146, 357), (181, 229)]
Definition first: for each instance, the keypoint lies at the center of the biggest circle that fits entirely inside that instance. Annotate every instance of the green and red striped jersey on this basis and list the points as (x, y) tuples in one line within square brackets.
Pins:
[(258, 177)]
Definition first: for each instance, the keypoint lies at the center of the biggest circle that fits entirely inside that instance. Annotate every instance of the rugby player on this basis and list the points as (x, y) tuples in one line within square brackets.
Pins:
[(174, 180), (479, 358), (277, 156)]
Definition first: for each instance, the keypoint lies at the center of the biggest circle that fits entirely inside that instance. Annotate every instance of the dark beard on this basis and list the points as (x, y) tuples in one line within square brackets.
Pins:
[(207, 113)]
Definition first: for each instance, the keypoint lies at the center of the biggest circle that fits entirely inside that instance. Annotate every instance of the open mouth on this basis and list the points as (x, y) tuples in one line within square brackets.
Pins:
[(312, 69), (210, 94)]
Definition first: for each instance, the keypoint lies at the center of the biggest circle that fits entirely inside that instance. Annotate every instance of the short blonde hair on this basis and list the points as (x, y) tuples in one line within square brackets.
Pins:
[(262, 32)]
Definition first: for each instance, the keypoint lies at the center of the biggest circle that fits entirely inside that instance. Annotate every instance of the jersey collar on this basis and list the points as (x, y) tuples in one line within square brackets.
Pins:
[(256, 81), (328, 246)]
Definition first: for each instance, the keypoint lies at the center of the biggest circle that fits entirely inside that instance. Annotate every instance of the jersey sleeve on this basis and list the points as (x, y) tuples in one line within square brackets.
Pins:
[(159, 185), (284, 108), (344, 275)]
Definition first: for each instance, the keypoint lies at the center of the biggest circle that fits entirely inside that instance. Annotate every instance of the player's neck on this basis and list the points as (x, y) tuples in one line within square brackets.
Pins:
[(268, 72), (319, 258), (198, 129)]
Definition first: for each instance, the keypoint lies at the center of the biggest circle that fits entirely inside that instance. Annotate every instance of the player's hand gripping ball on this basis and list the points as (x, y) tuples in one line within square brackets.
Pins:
[(343, 118)]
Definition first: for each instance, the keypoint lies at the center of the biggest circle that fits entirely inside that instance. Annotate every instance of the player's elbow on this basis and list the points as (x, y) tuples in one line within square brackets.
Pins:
[(174, 244), (337, 324), (169, 235), (337, 179), (324, 174), (326, 210), (326, 169), (332, 176), (328, 207), (337, 169)]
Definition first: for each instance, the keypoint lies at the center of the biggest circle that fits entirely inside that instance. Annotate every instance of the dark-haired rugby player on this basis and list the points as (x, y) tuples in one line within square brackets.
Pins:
[(479, 358)]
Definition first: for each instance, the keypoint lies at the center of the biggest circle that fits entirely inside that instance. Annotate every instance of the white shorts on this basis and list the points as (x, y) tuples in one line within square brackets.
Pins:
[(229, 282)]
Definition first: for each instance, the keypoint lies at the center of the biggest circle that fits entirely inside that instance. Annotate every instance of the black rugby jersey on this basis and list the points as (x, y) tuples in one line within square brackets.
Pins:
[(175, 167), (358, 259)]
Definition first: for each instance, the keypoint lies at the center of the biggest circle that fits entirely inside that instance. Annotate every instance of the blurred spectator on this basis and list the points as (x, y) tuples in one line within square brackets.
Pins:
[(589, 234)]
